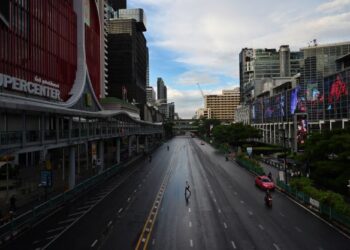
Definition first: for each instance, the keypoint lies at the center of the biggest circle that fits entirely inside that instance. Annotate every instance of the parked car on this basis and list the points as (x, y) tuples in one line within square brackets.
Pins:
[(264, 182), (202, 143)]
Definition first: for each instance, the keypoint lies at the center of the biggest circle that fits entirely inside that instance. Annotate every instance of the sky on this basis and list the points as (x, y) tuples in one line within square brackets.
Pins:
[(198, 41)]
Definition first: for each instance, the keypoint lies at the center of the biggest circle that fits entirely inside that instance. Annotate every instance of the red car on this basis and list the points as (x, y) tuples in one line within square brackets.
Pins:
[(264, 182)]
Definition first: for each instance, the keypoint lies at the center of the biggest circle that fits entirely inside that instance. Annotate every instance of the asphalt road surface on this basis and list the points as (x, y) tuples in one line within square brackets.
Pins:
[(146, 207)]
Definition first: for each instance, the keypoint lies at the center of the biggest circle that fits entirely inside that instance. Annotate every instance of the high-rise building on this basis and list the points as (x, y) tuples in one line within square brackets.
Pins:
[(316, 99), (222, 107), (319, 61), (52, 55), (161, 91), (171, 111), (203, 113), (151, 95), (127, 56), (117, 4), (258, 64)]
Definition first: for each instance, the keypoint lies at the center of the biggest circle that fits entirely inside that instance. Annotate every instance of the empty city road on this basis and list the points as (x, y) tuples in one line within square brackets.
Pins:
[(146, 207)]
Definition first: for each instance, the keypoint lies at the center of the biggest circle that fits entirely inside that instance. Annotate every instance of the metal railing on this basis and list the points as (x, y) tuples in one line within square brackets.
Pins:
[(33, 215), (324, 209), (34, 136)]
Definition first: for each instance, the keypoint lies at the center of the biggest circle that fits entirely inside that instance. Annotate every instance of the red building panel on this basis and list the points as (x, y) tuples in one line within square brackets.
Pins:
[(40, 42)]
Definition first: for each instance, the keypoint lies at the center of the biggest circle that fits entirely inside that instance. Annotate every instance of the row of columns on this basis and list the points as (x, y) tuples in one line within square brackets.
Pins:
[(73, 154)]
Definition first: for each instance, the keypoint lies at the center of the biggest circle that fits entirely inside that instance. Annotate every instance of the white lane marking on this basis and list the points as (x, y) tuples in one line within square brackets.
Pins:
[(153, 241), (190, 224), (298, 229), (191, 242), (261, 227), (129, 199), (94, 243), (276, 246), (74, 214), (109, 223), (214, 200), (250, 212), (219, 211), (120, 210), (84, 207), (135, 190), (282, 214), (55, 229), (91, 202), (242, 202), (65, 221), (51, 237), (225, 225), (189, 210), (211, 191), (233, 244)]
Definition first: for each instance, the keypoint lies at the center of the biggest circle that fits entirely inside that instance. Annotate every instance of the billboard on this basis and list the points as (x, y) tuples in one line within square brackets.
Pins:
[(301, 130)]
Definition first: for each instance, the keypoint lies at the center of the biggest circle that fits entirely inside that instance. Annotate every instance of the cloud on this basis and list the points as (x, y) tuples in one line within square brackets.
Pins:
[(193, 77), (206, 36), (334, 5), (188, 101)]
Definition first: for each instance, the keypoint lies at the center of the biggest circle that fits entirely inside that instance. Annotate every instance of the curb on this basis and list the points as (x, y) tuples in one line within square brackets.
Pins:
[(341, 229)]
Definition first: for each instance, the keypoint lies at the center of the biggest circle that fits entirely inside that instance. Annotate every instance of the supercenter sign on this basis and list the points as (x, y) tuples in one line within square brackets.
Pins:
[(39, 87)]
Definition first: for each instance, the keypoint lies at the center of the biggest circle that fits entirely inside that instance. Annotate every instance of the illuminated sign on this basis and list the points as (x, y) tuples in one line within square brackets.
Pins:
[(301, 127), (40, 87)]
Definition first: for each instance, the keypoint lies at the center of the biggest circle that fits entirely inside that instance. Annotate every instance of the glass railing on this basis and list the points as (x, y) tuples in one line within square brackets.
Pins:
[(50, 135), (33, 136), (12, 137)]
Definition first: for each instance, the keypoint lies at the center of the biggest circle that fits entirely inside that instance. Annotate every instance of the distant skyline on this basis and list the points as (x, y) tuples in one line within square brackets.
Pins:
[(198, 41)]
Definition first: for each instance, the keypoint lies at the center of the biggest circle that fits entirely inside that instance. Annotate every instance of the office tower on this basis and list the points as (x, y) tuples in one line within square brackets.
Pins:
[(161, 91), (151, 95), (258, 64), (127, 56), (117, 4)]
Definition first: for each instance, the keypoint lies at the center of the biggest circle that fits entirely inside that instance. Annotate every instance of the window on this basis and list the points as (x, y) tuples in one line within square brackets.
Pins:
[(5, 11)]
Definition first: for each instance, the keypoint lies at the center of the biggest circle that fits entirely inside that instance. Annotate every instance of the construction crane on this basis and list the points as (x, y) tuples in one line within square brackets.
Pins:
[(200, 89)]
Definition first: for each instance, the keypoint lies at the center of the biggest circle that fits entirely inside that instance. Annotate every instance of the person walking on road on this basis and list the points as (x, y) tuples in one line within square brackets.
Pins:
[(187, 190)]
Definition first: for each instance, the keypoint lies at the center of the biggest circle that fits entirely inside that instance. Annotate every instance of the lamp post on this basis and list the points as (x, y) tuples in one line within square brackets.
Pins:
[(283, 131)]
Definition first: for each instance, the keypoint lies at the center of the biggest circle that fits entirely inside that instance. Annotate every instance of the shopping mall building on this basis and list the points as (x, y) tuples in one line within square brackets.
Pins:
[(287, 108), (53, 129)]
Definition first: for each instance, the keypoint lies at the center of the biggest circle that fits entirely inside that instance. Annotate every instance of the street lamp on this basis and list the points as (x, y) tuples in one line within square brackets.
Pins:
[(283, 131)]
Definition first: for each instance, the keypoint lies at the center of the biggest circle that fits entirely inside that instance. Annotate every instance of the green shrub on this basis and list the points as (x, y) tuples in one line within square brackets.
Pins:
[(300, 183), (328, 198)]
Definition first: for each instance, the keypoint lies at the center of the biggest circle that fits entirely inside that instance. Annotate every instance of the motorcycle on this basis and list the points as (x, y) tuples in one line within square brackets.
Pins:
[(268, 201)]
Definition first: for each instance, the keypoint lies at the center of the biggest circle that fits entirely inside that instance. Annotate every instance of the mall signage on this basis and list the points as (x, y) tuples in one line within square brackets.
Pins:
[(40, 87)]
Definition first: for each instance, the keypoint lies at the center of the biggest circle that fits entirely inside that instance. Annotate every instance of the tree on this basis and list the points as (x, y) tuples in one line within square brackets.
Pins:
[(205, 125), (235, 134), (328, 156)]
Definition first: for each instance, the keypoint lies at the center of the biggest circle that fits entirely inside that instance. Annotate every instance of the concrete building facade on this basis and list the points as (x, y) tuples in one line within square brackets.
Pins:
[(314, 100), (222, 107)]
